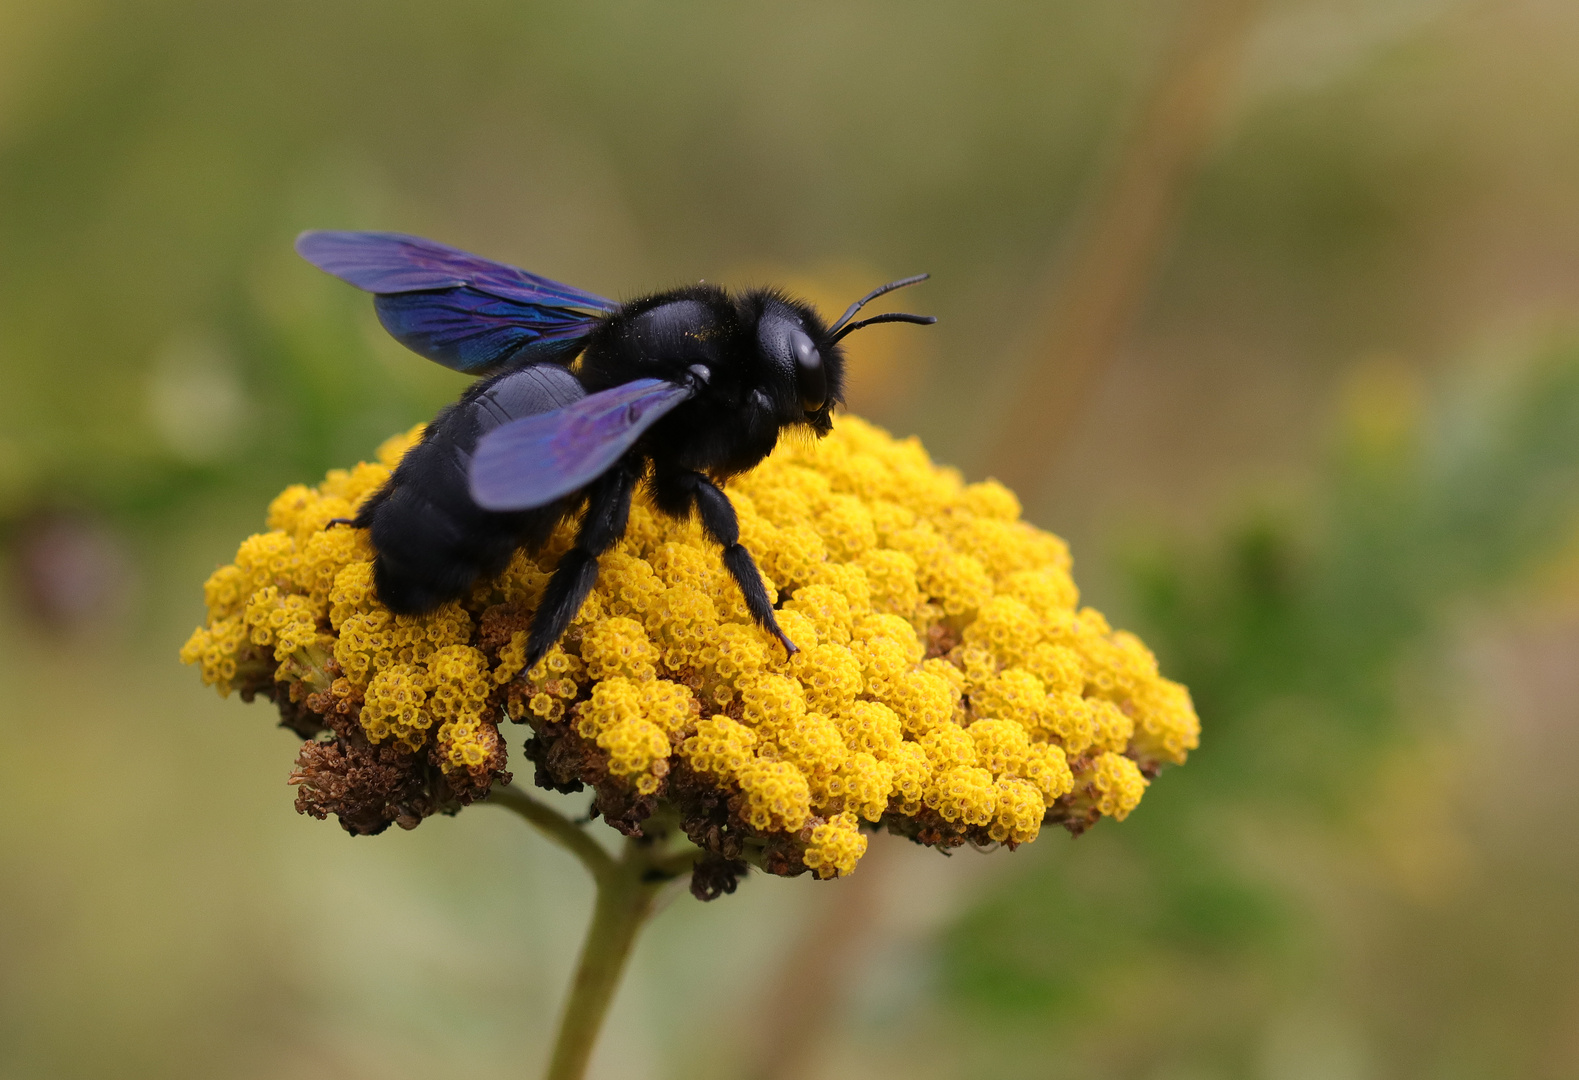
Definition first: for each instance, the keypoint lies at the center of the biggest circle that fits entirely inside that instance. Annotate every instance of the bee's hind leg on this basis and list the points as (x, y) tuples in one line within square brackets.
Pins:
[(608, 511), (676, 493)]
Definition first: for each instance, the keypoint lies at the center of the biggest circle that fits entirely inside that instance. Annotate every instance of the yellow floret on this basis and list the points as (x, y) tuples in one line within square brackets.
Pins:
[(1001, 746), (836, 846), (885, 663), (948, 746), (355, 484), (267, 559), (1008, 628), (613, 701), (964, 794), (638, 750), (847, 580), (619, 646), (393, 706), (1067, 720), (1111, 783), (681, 622), (923, 700), (828, 611), (466, 743), (772, 701), (738, 652), (315, 517), (225, 592), (1058, 666), (912, 774), (669, 705), (1166, 727), (282, 620), (845, 525), (1046, 768), (644, 532), (458, 676), (325, 555), (287, 507), (811, 743), (871, 727), (831, 676), (957, 581), (512, 658), (1112, 729), (1048, 591), (864, 784), (555, 681), (523, 581), (777, 797), (800, 629), (1018, 816), (678, 564), (217, 648), (790, 555), (352, 592), (628, 585), (721, 748), (392, 449), (891, 578), (990, 499), (1014, 695), (978, 665)]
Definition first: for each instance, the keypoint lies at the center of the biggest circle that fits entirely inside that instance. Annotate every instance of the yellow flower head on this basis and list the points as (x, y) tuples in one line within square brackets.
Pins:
[(948, 686)]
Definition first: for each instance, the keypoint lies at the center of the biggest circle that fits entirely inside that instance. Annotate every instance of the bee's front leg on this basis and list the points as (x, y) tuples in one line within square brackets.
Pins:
[(608, 512), (676, 493)]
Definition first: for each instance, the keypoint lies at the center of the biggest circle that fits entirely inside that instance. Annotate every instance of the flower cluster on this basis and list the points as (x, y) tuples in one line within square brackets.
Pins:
[(948, 686)]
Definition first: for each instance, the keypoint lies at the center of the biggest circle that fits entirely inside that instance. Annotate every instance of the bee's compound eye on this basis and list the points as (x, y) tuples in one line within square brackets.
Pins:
[(809, 375)]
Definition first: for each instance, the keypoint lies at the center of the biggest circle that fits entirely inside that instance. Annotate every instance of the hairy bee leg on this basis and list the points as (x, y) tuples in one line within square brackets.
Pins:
[(718, 521), (608, 511)]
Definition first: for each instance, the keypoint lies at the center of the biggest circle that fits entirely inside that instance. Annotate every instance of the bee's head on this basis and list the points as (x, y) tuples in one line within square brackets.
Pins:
[(805, 358), (807, 370)]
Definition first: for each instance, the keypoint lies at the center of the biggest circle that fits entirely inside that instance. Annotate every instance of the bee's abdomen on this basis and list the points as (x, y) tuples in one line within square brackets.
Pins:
[(433, 542)]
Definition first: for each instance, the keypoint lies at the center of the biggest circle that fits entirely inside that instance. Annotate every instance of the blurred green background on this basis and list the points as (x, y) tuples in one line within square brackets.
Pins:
[(1328, 467)]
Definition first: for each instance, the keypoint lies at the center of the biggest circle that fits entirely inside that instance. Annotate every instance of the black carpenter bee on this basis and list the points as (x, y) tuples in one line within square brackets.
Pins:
[(581, 399)]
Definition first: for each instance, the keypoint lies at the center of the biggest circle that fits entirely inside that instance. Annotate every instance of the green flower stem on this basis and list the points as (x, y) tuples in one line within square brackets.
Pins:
[(627, 888), (625, 899), (557, 827)]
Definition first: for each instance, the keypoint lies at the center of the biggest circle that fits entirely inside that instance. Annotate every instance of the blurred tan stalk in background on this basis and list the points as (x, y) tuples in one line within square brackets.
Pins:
[(1096, 289), (1094, 292)]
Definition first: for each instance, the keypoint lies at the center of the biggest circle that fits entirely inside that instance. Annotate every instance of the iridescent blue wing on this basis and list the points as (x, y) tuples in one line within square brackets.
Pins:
[(479, 333), (532, 461), (465, 312), (382, 262)]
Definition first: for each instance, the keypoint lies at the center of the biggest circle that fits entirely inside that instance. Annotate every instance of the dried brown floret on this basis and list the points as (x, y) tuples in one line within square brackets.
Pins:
[(713, 876), (367, 787)]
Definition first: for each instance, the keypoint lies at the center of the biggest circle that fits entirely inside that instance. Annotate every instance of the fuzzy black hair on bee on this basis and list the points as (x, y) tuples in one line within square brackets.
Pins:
[(580, 400)]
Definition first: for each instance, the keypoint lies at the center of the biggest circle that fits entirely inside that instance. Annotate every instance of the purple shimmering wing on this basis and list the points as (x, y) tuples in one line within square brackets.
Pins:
[(532, 461), (381, 262), (479, 333), (464, 312)]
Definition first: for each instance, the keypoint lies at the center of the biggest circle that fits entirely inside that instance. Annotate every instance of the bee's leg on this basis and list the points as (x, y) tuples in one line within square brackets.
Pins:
[(608, 510), (677, 492)]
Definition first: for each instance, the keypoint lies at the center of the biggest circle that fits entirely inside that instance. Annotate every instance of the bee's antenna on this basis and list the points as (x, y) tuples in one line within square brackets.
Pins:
[(868, 298), (891, 316)]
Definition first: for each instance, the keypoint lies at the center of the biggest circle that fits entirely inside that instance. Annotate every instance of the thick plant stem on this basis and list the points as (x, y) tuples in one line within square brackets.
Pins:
[(556, 826), (626, 891), (627, 887)]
